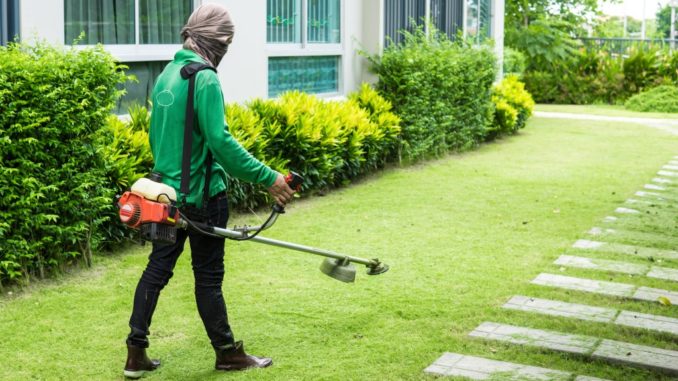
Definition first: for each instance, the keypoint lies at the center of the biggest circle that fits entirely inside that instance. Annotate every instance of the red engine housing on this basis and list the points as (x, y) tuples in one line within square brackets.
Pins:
[(135, 211)]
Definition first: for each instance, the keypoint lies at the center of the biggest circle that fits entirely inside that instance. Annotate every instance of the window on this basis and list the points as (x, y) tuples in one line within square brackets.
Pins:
[(141, 33), (447, 16), (319, 74), (123, 22), (304, 38), (139, 92), (9, 20), (479, 19), (401, 15), (303, 21)]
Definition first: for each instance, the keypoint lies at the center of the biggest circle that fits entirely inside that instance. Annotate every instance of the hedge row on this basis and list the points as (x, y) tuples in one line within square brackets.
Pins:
[(591, 76), (53, 190), (442, 91), (64, 156)]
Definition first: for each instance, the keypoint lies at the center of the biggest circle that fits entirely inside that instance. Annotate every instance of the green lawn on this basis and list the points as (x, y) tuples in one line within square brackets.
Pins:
[(462, 235), (604, 110)]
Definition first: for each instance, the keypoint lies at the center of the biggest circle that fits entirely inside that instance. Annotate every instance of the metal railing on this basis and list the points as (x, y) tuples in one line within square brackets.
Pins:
[(621, 45)]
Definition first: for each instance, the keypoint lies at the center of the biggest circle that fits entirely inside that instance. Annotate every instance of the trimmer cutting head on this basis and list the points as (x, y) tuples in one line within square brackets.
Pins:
[(378, 268), (338, 269)]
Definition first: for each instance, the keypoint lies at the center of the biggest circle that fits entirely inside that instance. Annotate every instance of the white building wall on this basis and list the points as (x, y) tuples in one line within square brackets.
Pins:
[(244, 70), (42, 19)]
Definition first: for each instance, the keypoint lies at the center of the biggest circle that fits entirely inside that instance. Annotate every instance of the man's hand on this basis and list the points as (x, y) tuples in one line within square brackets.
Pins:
[(280, 191)]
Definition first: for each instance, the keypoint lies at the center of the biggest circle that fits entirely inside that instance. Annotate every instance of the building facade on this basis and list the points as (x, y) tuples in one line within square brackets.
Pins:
[(279, 45)]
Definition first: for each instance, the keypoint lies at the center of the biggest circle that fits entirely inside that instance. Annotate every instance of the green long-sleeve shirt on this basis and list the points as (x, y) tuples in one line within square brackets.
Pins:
[(209, 132)]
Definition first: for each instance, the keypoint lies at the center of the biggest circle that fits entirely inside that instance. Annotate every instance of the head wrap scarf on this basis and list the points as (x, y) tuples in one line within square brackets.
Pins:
[(208, 32)]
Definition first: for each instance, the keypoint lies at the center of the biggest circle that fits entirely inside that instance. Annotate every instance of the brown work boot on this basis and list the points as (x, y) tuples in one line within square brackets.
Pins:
[(235, 358), (138, 362)]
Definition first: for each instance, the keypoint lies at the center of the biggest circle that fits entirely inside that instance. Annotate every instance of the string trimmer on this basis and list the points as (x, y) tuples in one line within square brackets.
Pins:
[(150, 207)]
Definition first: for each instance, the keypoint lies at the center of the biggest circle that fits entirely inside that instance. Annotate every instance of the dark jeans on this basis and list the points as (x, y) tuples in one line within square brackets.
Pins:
[(207, 260)]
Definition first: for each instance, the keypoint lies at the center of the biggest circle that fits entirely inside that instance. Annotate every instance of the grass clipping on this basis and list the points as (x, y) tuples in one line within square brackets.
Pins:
[(659, 99)]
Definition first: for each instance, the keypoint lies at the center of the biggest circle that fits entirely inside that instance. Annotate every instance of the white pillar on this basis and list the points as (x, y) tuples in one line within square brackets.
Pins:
[(673, 27), (498, 29), (642, 28)]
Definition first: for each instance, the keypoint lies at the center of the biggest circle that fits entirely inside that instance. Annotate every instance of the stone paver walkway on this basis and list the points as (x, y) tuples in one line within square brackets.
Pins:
[(606, 288), (658, 272), (478, 368), (590, 313), (662, 191), (657, 359), (616, 248)]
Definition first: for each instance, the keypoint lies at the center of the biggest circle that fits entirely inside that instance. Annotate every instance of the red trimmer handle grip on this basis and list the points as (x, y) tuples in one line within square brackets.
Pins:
[(294, 181)]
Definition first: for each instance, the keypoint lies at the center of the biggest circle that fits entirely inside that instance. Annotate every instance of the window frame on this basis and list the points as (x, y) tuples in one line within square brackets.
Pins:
[(306, 49), (139, 52), (9, 23)]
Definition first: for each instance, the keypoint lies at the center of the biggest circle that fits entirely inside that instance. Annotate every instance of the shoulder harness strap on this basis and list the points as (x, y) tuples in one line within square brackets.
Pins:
[(188, 72)]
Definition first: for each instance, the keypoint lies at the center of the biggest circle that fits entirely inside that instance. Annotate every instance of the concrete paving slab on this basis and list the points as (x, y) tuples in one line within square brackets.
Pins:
[(587, 378), (657, 323), (610, 219), (654, 187), (587, 244), (558, 341), (585, 285), (663, 273), (646, 321), (478, 368), (653, 195), (652, 358), (670, 167), (626, 211), (638, 355), (667, 173), (601, 231), (661, 180), (618, 248), (602, 265), (653, 295), (563, 309)]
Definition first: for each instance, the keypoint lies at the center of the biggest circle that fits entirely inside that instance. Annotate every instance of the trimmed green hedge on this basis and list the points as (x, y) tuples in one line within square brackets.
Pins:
[(589, 76), (53, 192), (441, 90), (64, 156), (658, 99)]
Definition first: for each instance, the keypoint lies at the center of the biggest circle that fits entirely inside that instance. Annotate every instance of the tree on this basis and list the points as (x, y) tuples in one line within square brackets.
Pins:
[(520, 13), (664, 21)]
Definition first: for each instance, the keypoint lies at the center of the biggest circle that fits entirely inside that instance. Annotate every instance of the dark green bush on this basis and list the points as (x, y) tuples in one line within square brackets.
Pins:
[(659, 99), (53, 189), (515, 62), (441, 91), (589, 76)]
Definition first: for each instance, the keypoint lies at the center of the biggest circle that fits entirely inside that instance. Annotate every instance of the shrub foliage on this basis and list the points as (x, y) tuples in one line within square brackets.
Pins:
[(513, 106), (52, 190), (659, 99), (440, 89), (64, 157)]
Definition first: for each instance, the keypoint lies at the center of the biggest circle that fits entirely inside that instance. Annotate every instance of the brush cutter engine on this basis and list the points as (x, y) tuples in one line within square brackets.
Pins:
[(155, 220)]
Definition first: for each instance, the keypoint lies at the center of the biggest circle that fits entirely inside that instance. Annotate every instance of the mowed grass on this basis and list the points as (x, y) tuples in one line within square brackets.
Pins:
[(462, 234), (605, 110)]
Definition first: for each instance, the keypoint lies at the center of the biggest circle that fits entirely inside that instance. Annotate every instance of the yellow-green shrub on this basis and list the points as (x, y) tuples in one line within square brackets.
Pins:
[(513, 106)]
